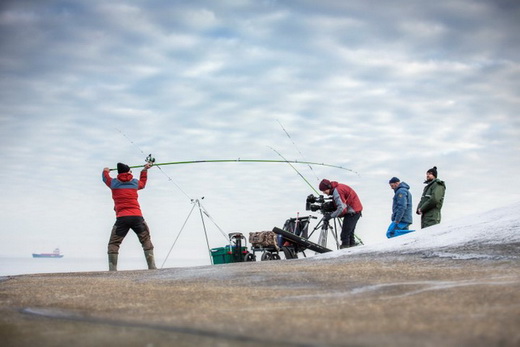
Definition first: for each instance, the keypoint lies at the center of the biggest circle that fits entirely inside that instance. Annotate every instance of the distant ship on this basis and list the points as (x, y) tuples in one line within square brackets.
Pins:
[(55, 254)]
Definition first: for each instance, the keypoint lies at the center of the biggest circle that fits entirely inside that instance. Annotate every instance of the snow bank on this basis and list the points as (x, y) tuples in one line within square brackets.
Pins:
[(498, 226)]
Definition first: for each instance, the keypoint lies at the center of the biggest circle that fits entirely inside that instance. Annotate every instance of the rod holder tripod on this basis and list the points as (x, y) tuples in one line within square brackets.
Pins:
[(203, 212)]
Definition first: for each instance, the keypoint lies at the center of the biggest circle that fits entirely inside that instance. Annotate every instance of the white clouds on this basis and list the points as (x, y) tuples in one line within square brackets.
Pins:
[(384, 91)]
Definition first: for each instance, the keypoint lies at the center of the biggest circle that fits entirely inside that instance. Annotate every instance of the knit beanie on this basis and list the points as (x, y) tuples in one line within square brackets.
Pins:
[(325, 184), (122, 168), (394, 180), (433, 171)]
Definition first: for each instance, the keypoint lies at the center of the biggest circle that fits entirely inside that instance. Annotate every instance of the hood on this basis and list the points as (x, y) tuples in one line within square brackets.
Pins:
[(440, 182), (403, 185), (125, 177)]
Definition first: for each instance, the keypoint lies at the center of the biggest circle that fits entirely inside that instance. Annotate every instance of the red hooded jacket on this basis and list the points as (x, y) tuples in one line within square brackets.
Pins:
[(345, 199), (124, 192)]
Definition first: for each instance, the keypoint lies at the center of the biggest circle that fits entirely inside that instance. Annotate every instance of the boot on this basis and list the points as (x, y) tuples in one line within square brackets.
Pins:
[(150, 260), (112, 262)]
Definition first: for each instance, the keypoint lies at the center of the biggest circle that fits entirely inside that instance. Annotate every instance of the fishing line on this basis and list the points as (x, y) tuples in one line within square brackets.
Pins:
[(149, 157), (206, 213), (294, 143), (298, 172)]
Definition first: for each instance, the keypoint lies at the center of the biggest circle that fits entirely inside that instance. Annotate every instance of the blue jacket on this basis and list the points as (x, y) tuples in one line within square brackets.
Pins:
[(402, 204)]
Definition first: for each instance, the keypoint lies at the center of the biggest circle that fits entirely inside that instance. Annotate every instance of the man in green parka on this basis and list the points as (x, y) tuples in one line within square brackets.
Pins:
[(429, 207)]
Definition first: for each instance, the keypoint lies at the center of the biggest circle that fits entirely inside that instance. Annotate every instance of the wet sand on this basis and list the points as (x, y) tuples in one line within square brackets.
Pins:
[(353, 300)]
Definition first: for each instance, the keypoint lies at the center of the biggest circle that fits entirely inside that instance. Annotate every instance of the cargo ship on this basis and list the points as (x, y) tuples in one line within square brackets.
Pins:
[(55, 254)]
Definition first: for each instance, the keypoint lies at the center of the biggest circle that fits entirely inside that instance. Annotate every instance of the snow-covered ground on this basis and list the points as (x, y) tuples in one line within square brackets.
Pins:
[(499, 226)]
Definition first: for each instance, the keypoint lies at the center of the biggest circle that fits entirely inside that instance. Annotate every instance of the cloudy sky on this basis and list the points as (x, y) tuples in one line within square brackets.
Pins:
[(382, 88)]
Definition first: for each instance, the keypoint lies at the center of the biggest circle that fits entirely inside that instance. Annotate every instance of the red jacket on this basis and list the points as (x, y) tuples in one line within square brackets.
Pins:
[(124, 192), (345, 199)]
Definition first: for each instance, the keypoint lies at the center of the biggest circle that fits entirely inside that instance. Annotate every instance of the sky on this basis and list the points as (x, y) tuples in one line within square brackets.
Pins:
[(381, 88)]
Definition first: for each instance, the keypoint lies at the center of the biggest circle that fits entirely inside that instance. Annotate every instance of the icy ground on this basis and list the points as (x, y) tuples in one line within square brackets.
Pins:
[(494, 234)]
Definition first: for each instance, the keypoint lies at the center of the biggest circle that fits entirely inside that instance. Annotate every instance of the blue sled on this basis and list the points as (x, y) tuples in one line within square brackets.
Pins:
[(395, 230)]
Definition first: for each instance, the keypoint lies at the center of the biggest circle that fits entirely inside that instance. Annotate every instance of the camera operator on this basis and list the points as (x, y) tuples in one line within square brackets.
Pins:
[(348, 206)]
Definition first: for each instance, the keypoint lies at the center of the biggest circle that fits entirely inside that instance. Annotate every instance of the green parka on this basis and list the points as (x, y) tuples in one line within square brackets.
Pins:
[(431, 202)]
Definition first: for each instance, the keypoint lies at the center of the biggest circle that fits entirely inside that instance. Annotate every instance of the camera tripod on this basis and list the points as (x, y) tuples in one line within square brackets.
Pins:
[(325, 226)]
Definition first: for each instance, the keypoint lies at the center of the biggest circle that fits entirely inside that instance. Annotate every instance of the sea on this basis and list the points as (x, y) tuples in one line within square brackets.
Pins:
[(12, 266)]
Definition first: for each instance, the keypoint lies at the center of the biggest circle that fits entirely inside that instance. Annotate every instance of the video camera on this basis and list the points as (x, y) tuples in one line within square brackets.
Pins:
[(320, 203)]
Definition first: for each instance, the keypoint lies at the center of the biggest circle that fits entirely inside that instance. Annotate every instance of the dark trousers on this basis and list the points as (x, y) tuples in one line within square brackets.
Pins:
[(347, 230), (121, 228)]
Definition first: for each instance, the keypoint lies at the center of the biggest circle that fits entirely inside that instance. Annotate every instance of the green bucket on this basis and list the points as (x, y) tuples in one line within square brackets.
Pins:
[(224, 255)]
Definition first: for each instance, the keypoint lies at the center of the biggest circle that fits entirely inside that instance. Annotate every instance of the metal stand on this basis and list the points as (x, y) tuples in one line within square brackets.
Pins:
[(202, 211)]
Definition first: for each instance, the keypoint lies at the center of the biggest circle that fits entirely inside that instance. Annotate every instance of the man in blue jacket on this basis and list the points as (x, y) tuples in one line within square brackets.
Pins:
[(401, 208)]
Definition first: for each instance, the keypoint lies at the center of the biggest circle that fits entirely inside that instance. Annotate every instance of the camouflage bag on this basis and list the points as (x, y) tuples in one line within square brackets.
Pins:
[(263, 239)]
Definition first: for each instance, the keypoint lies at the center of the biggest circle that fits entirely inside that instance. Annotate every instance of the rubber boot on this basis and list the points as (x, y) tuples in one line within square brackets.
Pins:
[(150, 260), (112, 262)]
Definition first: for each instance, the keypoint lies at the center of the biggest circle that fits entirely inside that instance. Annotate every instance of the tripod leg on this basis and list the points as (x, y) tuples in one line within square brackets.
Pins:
[(315, 228), (180, 231), (322, 240), (205, 232)]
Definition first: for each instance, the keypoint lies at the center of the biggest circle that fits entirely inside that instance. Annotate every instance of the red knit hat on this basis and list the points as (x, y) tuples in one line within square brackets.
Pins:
[(325, 184)]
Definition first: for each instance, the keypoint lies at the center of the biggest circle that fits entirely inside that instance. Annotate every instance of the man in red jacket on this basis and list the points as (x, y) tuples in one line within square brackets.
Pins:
[(128, 212), (347, 205)]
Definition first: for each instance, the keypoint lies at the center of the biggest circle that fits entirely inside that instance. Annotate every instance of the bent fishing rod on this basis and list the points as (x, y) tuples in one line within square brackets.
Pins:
[(151, 160)]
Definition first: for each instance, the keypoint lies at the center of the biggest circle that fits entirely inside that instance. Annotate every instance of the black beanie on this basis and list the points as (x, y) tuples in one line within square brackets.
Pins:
[(394, 180), (433, 171), (122, 168), (325, 184)]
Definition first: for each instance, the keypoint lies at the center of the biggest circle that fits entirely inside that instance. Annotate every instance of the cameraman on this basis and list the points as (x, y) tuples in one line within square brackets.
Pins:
[(347, 205)]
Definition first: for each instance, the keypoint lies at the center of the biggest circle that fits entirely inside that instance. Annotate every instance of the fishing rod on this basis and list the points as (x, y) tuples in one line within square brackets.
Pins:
[(298, 172), (238, 160), (294, 143)]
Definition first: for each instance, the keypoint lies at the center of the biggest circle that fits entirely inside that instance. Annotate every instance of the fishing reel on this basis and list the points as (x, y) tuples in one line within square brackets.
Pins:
[(149, 159)]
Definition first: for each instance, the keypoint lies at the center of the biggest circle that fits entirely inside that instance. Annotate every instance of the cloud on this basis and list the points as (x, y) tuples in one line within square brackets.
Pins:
[(383, 90)]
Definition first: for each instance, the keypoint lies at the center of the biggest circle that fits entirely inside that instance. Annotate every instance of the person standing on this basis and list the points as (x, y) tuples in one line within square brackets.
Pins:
[(128, 212), (348, 206), (429, 207), (401, 208)]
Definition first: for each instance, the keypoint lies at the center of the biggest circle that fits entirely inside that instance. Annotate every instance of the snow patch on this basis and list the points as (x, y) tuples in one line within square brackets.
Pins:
[(498, 226)]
